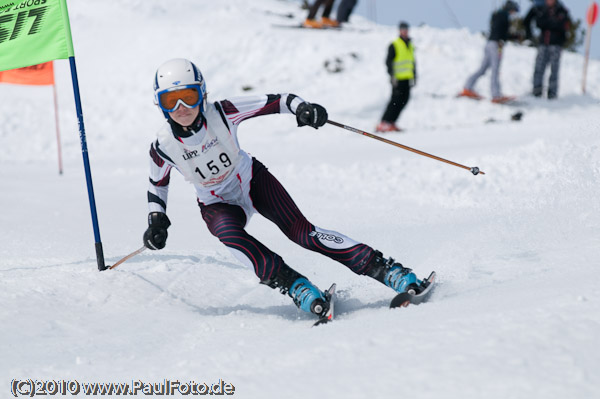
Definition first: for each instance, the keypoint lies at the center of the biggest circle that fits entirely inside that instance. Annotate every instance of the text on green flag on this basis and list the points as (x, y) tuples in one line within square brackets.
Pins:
[(33, 32)]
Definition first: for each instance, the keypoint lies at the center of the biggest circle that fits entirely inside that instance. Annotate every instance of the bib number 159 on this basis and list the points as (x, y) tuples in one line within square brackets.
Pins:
[(213, 166)]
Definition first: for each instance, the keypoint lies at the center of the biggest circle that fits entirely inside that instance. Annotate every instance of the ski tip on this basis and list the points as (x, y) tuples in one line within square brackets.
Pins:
[(329, 316), (431, 278), (331, 289)]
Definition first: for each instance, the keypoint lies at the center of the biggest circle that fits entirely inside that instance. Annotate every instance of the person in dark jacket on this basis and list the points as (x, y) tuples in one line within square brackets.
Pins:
[(532, 15), (345, 9), (402, 69), (554, 23), (499, 26)]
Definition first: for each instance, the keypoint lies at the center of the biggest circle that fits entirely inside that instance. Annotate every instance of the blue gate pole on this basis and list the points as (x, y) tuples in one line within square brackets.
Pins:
[(86, 165)]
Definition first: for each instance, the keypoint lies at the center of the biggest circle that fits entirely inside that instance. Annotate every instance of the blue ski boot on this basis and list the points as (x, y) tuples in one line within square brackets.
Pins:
[(304, 294), (393, 274), (308, 297)]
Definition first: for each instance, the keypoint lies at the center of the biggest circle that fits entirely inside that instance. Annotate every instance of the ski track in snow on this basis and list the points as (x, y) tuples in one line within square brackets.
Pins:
[(516, 310)]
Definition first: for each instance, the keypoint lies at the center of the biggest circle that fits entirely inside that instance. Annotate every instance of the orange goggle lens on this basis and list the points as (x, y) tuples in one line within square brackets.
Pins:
[(168, 100)]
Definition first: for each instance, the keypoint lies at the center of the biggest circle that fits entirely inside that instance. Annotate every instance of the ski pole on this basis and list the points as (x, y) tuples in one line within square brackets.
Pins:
[(131, 255), (475, 170)]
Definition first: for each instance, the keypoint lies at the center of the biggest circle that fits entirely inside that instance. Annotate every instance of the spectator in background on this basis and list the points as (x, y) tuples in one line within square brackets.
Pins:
[(554, 23), (345, 9), (532, 15), (403, 74), (325, 21), (500, 24)]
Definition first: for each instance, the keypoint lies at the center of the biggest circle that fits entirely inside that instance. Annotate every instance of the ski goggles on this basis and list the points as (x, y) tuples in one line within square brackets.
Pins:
[(189, 96)]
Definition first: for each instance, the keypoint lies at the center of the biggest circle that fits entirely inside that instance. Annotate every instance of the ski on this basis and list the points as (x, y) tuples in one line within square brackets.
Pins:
[(513, 102), (329, 294), (475, 98), (334, 28), (288, 15), (406, 298), (509, 100), (301, 26)]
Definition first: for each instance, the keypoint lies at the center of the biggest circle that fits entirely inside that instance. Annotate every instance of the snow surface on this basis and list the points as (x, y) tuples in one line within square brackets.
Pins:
[(516, 313)]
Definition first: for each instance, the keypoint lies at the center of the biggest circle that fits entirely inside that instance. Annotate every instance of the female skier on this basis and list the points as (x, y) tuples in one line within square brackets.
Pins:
[(200, 141)]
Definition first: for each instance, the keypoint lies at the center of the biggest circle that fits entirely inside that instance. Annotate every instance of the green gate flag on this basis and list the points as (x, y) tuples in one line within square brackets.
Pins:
[(33, 32)]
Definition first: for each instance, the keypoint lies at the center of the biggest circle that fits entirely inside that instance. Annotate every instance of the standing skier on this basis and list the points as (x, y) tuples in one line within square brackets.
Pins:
[(345, 9), (532, 15), (200, 141), (402, 69), (554, 23), (325, 22), (500, 24)]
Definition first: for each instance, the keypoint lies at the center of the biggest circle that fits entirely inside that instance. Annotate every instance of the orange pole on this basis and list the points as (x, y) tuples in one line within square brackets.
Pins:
[(58, 145)]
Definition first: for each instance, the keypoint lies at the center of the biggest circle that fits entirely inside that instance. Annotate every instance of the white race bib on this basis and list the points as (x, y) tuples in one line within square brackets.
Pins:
[(213, 160)]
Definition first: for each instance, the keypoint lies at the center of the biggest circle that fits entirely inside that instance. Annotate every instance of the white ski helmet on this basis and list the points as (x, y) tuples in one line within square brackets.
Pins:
[(179, 74)]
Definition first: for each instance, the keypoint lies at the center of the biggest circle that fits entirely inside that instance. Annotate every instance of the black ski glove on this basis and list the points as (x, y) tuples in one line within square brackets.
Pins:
[(311, 114), (155, 236)]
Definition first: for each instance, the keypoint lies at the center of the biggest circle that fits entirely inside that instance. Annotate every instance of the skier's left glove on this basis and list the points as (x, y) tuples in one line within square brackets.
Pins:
[(312, 115), (156, 235)]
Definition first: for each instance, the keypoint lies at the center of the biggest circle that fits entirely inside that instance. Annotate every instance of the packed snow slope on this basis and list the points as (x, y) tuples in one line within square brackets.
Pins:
[(516, 312)]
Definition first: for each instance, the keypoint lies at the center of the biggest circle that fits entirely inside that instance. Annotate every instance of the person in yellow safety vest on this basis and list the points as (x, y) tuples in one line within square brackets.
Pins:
[(401, 67)]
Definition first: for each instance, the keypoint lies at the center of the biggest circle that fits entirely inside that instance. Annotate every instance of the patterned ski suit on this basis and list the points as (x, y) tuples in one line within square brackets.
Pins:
[(231, 186)]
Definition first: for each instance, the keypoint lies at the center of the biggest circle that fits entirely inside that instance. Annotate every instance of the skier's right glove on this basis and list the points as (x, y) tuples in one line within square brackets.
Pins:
[(155, 236), (313, 115)]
